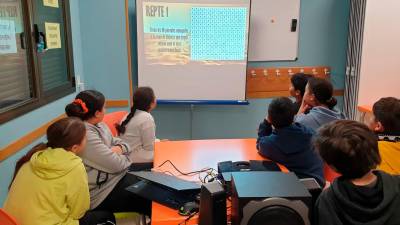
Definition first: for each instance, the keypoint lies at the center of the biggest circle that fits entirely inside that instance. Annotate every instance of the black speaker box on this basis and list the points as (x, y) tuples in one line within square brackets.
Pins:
[(212, 204), (269, 198)]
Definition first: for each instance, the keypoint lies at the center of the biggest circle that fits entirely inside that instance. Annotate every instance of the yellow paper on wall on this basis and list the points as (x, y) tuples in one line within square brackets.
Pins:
[(53, 36), (51, 3)]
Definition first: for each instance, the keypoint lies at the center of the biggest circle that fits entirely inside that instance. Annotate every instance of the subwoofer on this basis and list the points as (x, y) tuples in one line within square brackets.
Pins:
[(269, 198)]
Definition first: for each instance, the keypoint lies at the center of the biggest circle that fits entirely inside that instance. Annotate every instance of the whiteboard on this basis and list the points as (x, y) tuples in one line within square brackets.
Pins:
[(191, 49), (271, 38), (379, 74)]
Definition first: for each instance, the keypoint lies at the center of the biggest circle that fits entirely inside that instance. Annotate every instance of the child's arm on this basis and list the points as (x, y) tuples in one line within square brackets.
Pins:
[(100, 156), (78, 197), (148, 139), (265, 129)]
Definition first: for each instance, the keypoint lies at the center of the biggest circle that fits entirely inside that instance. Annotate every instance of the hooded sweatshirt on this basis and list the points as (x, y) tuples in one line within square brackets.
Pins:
[(51, 188), (390, 155), (291, 147), (347, 204), (319, 116)]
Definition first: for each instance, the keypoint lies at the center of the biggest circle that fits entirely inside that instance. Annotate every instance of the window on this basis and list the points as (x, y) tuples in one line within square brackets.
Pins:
[(36, 65)]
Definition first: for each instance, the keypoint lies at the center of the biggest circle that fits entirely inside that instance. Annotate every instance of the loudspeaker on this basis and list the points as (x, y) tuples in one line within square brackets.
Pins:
[(269, 198), (212, 204)]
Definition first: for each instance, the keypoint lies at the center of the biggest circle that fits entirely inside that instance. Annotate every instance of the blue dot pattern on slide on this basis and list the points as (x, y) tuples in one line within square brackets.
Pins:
[(218, 33)]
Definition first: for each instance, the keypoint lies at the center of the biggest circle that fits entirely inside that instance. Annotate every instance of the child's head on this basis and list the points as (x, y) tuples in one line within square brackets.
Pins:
[(319, 92), (143, 99), (67, 133), (281, 112), (298, 84), (386, 116), (87, 105), (349, 147)]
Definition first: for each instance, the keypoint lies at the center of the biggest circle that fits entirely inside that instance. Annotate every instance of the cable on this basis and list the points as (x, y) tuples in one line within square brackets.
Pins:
[(183, 173), (188, 218)]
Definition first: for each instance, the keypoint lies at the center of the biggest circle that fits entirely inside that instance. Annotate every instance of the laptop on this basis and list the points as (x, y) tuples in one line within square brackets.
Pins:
[(167, 190)]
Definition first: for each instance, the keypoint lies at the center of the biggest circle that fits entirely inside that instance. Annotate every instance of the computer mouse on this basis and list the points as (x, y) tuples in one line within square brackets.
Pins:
[(188, 208)]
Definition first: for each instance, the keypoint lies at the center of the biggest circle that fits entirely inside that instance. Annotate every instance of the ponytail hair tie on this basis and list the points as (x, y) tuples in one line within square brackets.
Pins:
[(82, 104)]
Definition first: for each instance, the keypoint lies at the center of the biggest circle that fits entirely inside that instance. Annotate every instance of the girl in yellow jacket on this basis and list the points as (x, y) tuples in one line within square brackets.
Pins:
[(50, 182)]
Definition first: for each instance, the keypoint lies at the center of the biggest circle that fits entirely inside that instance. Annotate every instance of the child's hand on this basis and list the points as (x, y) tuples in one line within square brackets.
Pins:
[(267, 119), (117, 149), (304, 108)]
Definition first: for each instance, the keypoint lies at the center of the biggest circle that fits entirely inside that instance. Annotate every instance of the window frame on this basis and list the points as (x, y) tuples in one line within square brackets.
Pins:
[(39, 97)]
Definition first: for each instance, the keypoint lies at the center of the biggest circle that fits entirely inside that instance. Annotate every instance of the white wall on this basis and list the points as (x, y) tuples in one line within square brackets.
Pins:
[(380, 76)]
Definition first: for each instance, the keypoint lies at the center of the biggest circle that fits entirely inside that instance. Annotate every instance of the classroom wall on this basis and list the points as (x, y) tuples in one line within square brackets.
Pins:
[(104, 47), (20, 126), (380, 52), (322, 41)]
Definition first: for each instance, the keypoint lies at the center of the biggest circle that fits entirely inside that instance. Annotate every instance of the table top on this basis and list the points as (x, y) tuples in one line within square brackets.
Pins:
[(365, 108), (195, 155)]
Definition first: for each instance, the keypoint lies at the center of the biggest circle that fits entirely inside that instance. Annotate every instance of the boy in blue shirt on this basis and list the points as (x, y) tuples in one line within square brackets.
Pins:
[(288, 143)]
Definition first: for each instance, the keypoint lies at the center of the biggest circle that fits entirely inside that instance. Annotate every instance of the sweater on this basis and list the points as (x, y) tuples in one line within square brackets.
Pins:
[(390, 155), (51, 188), (104, 167), (347, 204), (291, 146), (318, 116), (140, 135)]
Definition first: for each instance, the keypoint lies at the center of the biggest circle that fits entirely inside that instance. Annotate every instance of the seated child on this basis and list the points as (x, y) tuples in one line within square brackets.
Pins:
[(297, 88), (320, 104), (288, 143), (138, 129), (361, 195), (50, 183), (386, 121)]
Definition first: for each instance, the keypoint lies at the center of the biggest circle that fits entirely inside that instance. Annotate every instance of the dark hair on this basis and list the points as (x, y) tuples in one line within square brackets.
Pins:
[(92, 100), (299, 82), (349, 146), (142, 99), (323, 91), (281, 112), (63, 133), (387, 111)]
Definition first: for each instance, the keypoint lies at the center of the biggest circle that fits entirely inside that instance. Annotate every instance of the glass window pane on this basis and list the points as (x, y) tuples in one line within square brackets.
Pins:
[(15, 78), (53, 61)]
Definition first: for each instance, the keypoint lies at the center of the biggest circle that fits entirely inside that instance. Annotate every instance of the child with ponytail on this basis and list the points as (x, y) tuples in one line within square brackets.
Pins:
[(138, 128), (319, 101), (106, 159)]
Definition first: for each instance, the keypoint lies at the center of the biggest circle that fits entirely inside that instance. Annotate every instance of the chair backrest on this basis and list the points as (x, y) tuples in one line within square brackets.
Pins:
[(6, 219), (114, 118), (329, 173)]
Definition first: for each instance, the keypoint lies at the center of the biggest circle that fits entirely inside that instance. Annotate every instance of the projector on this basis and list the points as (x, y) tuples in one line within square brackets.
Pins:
[(269, 198)]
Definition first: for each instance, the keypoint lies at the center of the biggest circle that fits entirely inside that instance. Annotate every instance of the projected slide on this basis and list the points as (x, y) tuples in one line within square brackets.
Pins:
[(190, 33)]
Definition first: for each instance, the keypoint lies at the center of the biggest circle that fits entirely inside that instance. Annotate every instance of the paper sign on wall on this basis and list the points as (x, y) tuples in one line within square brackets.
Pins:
[(53, 35), (8, 43), (11, 10), (51, 3)]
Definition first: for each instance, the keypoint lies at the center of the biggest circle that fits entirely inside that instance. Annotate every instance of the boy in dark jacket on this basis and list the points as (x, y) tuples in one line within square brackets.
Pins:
[(361, 195), (288, 143)]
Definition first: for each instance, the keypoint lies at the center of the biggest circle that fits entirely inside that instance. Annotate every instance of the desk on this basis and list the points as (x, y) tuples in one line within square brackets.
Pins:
[(195, 155)]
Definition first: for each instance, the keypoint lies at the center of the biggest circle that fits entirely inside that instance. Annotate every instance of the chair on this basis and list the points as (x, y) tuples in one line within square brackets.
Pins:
[(6, 219), (114, 118), (329, 173)]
